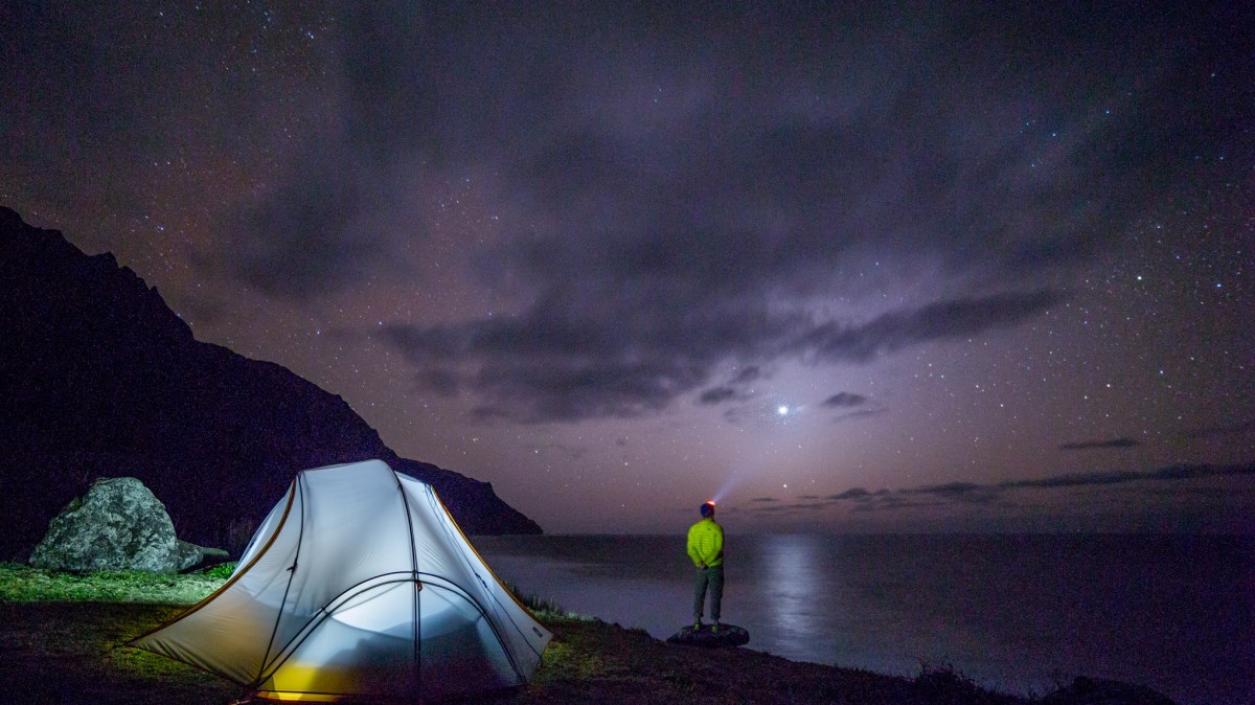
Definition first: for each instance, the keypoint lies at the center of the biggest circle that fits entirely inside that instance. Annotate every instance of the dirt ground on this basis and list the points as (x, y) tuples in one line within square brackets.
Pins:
[(70, 652)]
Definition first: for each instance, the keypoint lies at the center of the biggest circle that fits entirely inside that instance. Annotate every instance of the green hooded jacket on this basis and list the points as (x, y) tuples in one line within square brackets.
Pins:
[(706, 544)]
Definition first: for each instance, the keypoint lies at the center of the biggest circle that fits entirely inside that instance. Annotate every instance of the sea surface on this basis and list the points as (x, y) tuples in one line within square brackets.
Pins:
[(1020, 613)]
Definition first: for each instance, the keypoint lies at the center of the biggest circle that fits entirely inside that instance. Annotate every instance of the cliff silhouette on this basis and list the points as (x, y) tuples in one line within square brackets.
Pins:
[(99, 378)]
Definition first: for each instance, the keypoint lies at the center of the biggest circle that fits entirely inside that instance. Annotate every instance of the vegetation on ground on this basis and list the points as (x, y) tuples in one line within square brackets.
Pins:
[(19, 583), (540, 607), (64, 639)]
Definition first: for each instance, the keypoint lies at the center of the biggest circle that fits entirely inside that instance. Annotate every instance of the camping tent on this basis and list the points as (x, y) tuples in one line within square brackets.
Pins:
[(358, 584)]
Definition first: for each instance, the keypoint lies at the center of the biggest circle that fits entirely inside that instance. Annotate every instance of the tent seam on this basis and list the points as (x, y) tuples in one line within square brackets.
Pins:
[(296, 559), (449, 517), (230, 581), (417, 605)]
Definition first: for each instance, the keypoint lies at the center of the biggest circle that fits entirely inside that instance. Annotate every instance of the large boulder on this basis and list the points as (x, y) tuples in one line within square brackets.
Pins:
[(118, 525)]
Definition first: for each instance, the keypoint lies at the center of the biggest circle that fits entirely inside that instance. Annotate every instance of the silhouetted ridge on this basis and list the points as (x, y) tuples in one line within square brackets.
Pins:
[(98, 377)]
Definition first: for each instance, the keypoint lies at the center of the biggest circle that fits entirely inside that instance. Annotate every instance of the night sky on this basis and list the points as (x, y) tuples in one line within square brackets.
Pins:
[(846, 269)]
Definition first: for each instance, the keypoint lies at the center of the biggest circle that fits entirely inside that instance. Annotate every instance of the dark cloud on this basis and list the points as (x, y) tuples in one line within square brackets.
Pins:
[(855, 493), (718, 395), (808, 506), (438, 380), (780, 508), (734, 389), (302, 241), (336, 213), (957, 491), (1222, 430), (557, 364), (956, 318), (1107, 443), (859, 414), (975, 493), (698, 234), (893, 503), (1171, 472), (654, 248), (844, 400), (764, 499), (569, 215)]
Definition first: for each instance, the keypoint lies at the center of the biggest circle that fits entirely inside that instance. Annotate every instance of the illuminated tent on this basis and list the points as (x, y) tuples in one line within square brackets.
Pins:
[(358, 584)]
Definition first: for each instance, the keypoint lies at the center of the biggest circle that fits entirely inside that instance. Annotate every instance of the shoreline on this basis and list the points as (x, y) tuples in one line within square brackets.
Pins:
[(73, 652), (67, 647)]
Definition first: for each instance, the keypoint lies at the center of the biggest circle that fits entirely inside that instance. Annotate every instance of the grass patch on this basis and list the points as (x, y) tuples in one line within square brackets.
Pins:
[(540, 606), (945, 683), (20, 583), (222, 571)]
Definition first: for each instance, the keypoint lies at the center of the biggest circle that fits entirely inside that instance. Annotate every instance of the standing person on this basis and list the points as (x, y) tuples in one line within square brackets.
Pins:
[(705, 548)]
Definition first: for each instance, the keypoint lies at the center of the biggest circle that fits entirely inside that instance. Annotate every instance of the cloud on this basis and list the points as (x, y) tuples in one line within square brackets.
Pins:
[(777, 508), (552, 363), (718, 395), (652, 217), (647, 253), (958, 493), (764, 499), (893, 503), (734, 389), (1171, 472), (954, 318), (859, 414), (1221, 430), (1109, 443), (842, 400), (438, 380), (855, 493), (335, 212)]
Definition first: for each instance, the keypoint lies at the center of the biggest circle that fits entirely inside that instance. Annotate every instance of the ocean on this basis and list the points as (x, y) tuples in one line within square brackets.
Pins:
[(1019, 613)]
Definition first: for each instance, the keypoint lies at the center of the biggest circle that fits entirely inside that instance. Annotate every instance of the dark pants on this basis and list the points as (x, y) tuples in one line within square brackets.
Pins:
[(712, 578)]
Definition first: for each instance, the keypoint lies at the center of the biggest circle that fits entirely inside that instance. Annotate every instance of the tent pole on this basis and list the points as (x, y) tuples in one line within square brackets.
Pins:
[(418, 588), (296, 559)]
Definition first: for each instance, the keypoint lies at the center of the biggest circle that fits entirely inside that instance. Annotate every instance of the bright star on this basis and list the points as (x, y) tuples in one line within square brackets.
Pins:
[(782, 410)]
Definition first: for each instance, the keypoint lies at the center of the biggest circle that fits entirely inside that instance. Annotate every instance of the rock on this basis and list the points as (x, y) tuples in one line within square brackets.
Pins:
[(217, 554), (189, 554), (118, 525), (728, 635)]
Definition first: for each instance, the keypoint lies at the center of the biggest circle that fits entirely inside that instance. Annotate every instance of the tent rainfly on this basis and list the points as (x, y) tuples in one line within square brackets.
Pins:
[(358, 584)]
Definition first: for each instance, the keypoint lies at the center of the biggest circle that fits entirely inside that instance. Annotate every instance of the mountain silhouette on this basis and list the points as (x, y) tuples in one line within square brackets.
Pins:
[(99, 378)]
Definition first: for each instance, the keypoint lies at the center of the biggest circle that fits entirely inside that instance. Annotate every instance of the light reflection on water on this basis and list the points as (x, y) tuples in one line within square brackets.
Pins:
[(1014, 612), (794, 587)]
